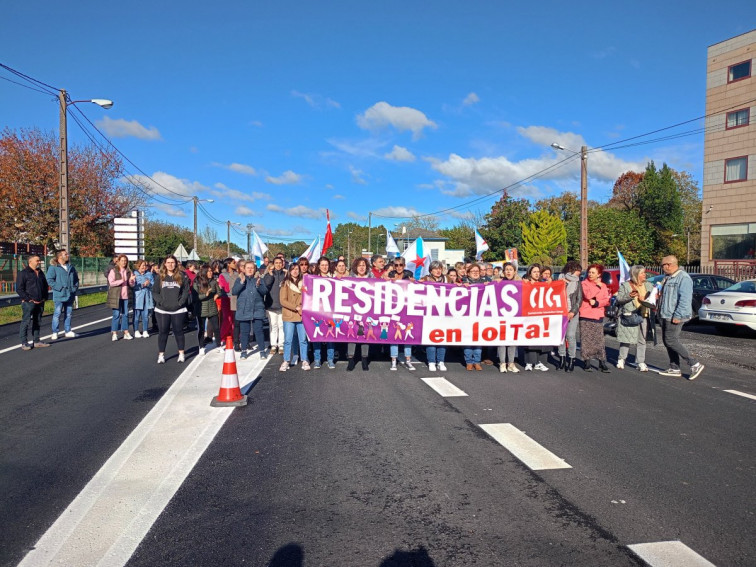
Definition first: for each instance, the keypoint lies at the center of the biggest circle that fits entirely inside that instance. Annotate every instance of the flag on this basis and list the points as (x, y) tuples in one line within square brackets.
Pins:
[(510, 255), (313, 252), (328, 240), (391, 247), (259, 249), (624, 269), (418, 259), (480, 245)]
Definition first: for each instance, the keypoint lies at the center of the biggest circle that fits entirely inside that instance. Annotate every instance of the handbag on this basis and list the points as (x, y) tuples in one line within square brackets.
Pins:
[(631, 319)]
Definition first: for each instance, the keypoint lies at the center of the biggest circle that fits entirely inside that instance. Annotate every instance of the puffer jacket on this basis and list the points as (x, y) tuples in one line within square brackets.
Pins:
[(207, 305), (627, 305), (250, 298)]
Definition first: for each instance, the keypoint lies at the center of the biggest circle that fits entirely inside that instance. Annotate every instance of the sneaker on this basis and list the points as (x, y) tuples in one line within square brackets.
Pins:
[(54, 337), (512, 367), (273, 350), (263, 355), (695, 370), (477, 366), (244, 355), (542, 367), (181, 357), (642, 367), (237, 347), (114, 337), (25, 346), (620, 364), (71, 335), (528, 367), (161, 359), (137, 335), (393, 365), (316, 365), (331, 365), (40, 344), (671, 372), (284, 366), (305, 365), (408, 366), (145, 335), (127, 336), (432, 366), (502, 367), (202, 351), (442, 367)]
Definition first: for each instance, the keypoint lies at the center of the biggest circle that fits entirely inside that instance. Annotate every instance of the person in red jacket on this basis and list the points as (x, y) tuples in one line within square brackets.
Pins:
[(595, 299)]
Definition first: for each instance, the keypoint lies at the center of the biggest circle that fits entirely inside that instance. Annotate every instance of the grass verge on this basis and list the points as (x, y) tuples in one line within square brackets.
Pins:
[(12, 314)]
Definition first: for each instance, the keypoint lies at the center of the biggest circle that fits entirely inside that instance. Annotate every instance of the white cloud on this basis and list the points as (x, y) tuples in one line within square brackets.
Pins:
[(382, 115), (170, 210), (238, 168), (357, 175), (261, 229), (298, 211), (471, 99), (223, 192), (400, 154), (362, 148), (356, 216), (483, 175), (316, 100), (286, 178), (397, 212), (121, 128), (244, 211), (163, 183), (339, 197), (256, 123)]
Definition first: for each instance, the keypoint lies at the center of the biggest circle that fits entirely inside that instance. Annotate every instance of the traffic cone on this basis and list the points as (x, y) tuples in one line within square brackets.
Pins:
[(230, 393)]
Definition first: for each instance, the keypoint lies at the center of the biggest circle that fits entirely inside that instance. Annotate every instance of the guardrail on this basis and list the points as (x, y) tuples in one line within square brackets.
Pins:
[(10, 300)]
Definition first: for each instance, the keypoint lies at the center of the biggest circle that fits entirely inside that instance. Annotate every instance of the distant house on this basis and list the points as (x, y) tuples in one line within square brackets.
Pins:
[(433, 241)]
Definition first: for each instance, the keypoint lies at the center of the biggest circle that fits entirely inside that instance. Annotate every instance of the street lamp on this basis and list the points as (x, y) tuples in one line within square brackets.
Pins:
[(349, 245), (64, 236), (228, 236), (197, 200), (583, 200)]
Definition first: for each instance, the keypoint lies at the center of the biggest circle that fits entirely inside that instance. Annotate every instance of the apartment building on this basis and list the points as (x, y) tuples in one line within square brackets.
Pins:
[(728, 227)]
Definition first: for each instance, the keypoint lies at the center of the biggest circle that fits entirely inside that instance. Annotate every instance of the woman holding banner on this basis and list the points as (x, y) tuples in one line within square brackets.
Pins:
[(535, 356), (508, 354), (435, 355), (323, 271), (398, 272), (360, 269), (473, 353)]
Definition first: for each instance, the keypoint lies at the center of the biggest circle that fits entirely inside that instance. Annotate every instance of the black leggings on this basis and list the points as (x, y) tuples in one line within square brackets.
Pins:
[(165, 322), (213, 333)]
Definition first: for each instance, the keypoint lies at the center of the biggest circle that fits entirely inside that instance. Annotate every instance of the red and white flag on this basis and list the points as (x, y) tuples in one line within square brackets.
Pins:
[(328, 240)]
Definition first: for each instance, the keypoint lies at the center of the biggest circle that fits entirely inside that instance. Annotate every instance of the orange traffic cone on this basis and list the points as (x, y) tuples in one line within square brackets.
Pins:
[(230, 393)]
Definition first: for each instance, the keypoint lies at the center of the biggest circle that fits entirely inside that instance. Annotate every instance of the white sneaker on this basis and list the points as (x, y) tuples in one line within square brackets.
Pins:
[(54, 337), (512, 367), (432, 366), (145, 335), (71, 335), (642, 367), (502, 367), (442, 367), (181, 357), (540, 366), (695, 371), (202, 351), (284, 366), (528, 367), (161, 359), (393, 365), (620, 364), (137, 334), (114, 337), (408, 365), (127, 336)]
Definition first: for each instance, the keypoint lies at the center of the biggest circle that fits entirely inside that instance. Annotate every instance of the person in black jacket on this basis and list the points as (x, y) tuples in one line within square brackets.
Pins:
[(32, 288), (171, 293)]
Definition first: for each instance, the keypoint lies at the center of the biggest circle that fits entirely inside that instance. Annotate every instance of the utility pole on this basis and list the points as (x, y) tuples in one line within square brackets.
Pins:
[(370, 227), (584, 206), (64, 227), (250, 227), (195, 200)]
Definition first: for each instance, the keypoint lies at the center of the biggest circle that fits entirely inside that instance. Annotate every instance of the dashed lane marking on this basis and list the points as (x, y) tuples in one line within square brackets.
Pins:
[(669, 554), (61, 336), (533, 455), (749, 396), (443, 387)]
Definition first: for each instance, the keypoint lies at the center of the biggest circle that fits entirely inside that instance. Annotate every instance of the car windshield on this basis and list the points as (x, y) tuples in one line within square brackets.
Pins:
[(743, 287)]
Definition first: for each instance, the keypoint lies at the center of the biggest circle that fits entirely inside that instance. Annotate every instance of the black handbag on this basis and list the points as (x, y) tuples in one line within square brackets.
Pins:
[(631, 319)]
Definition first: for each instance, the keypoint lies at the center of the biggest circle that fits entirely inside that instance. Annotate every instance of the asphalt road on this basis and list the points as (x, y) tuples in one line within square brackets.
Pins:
[(376, 468)]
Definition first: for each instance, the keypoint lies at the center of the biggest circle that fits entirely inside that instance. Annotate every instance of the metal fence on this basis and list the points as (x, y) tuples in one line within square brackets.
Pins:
[(737, 270), (91, 270)]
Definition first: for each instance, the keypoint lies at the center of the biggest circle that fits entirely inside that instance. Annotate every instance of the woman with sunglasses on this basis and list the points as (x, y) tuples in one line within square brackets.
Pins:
[(473, 353), (435, 355)]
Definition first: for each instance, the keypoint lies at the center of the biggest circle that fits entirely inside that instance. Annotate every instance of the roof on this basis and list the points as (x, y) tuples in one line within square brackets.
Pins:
[(417, 233)]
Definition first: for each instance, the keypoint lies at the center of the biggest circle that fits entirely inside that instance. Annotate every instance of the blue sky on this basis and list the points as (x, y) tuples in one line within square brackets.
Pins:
[(279, 110)]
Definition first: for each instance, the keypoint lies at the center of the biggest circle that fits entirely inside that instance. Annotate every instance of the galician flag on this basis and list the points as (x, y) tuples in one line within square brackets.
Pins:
[(480, 245), (391, 247), (328, 240), (624, 269), (313, 252), (418, 259), (259, 249)]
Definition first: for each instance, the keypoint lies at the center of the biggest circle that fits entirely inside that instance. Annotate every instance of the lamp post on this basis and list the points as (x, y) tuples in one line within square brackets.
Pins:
[(583, 200), (197, 200), (64, 236), (349, 245), (228, 236)]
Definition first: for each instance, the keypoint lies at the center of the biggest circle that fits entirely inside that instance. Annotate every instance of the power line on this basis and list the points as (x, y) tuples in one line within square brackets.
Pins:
[(25, 86), (32, 80)]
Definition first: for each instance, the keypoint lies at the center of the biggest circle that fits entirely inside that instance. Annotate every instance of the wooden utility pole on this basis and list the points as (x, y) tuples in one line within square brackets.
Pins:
[(584, 207), (64, 234)]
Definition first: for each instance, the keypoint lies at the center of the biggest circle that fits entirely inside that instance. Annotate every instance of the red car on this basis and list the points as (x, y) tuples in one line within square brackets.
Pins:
[(610, 277)]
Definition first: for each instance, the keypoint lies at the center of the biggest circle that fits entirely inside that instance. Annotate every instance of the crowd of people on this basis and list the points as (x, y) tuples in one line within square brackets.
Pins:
[(231, 298)]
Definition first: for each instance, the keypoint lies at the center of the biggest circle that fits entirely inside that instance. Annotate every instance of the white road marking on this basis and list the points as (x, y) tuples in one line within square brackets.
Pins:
[(669, 554), (61, 336), (533, 455), (109, 518), (443, 387), (750, 396)]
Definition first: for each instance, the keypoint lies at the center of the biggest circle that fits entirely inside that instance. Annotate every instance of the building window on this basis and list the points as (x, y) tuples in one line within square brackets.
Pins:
[(739, 71), (738, 118), (736, 169), (733, 241)]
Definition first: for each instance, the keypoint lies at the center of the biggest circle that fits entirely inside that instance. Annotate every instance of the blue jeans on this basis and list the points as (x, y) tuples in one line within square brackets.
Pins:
[(394, 351), (120, 320), (141, 315), (244, 329), (66, 307), (316, 351), (289, 328), (435, 354), (472, 355)]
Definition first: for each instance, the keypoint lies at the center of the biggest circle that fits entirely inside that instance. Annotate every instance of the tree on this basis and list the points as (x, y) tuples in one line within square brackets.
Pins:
[(660, 205), (503, 225), (690, 196), (29, 190), (460, 237), (564, 206), (610, 230), (544, 240), (162, 238), (625, 191), (427, 222)]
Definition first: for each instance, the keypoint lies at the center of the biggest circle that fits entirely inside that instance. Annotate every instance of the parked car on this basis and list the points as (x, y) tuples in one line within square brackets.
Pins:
[(703, 285), (610, 277), (732, 308)]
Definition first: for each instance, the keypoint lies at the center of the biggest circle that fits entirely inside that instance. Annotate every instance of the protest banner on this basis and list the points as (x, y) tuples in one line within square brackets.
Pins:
[(378, 311)]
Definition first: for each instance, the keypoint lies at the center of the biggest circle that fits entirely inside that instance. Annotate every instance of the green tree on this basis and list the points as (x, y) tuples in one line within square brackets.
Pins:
[(503, 225), (544, 239), (162, 238), (611, 229), (690, 196), (460, 237), (659, 200)]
